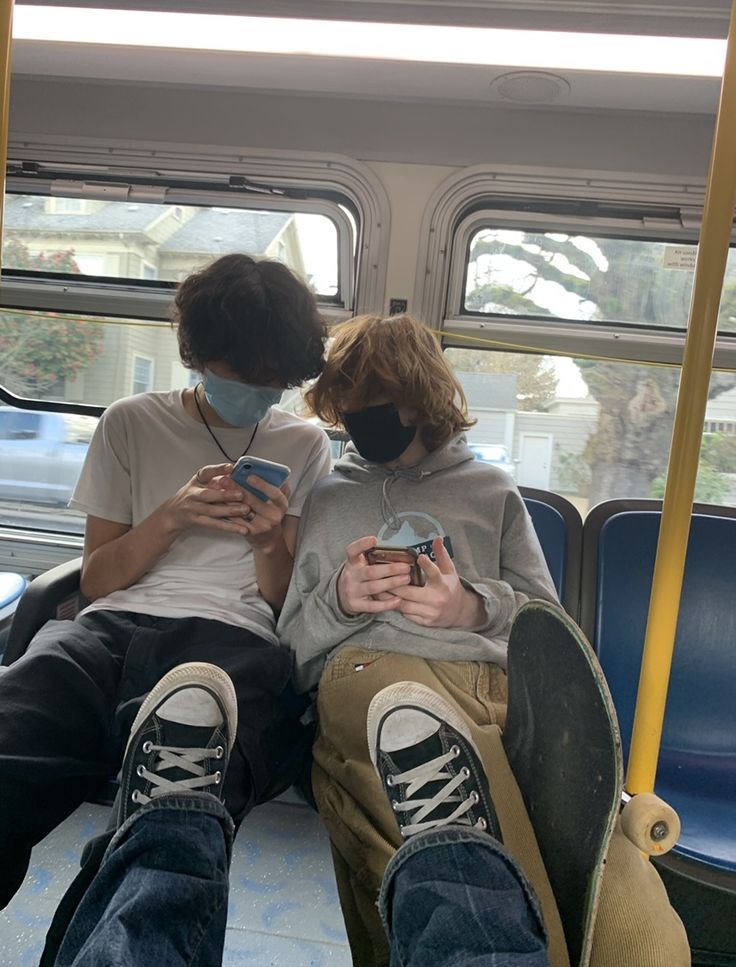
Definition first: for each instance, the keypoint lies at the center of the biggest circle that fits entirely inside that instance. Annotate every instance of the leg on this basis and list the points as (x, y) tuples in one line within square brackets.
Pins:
[(635, 925), (452, 893), (160, 895), (55, 712), (269, 747), (455, 896), (361, 824)]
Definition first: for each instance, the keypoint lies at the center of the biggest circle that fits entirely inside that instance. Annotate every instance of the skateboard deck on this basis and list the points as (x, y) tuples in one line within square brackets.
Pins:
[(563, 745)]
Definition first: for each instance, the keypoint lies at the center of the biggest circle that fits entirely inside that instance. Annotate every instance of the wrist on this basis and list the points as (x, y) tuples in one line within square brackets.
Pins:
[(339, 596), (166, 522), (473, 609), (273, 547)]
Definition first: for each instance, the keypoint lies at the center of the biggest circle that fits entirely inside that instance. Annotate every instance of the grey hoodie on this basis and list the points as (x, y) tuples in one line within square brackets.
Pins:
[(476, 509)]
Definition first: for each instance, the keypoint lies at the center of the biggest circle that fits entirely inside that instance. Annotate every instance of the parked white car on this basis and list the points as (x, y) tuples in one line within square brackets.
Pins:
[(495, 454), (41, 454)]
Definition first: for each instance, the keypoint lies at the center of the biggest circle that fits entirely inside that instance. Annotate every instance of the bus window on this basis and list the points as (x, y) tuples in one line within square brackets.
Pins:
[(165, 242), (592, 429), (565, 321), (588, 277)]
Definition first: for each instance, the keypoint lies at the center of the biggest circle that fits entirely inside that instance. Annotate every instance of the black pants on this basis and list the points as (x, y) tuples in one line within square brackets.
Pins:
[(66, 708)]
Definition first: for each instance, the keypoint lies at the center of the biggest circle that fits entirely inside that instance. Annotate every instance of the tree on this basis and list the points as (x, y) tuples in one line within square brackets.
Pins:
[(601, 279), (727, 310), (39, 351), (536, 380)]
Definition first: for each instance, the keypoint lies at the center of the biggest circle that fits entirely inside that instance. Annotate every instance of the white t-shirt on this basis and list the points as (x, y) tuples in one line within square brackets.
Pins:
[(144, 449)]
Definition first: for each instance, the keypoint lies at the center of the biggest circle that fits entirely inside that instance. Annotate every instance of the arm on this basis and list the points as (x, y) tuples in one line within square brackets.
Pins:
[(274, 563), (117, 555)]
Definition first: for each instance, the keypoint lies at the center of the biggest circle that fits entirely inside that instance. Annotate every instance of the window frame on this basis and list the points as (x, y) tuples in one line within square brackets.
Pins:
[(536, 199), (156, 171), (145, 294)]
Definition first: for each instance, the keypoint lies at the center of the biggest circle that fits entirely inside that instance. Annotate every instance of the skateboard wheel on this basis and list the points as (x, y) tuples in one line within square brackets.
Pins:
[(650, 824)]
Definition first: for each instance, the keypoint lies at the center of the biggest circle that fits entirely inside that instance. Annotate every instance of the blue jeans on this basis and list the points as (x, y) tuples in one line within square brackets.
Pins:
[(449, 896), (455, 896), (160, 895)]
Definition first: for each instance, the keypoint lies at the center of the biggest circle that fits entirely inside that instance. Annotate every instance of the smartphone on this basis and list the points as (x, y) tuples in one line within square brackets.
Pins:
[(273, 473), (404, 555)]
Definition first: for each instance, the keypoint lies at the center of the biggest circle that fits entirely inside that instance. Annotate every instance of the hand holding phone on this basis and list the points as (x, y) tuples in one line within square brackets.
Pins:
[(402, 555), (272, 473)]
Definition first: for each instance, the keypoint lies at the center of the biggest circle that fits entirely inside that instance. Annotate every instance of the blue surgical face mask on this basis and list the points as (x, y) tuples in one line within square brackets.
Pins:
[(239, 404)]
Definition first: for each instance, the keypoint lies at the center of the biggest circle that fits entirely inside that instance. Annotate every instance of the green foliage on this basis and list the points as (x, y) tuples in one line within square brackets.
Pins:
[(37, 351), (727, 310), (719, 451), (710, 486), (573, 473)]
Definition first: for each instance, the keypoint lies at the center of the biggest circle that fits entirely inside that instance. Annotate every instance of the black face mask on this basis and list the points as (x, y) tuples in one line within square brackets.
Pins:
[(378, 433)]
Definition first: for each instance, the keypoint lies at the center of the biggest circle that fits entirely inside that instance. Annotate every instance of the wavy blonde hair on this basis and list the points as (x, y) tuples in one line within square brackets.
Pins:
[(397, 356)]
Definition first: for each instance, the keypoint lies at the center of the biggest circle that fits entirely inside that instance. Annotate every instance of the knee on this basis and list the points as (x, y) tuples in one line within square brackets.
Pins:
[(636, 925)]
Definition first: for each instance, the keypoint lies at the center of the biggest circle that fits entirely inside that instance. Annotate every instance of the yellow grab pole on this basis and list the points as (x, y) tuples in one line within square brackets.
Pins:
[(692, 398), (6, 40)]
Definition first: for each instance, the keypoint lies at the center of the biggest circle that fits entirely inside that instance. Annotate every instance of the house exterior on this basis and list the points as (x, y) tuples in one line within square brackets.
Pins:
[(142, 242)]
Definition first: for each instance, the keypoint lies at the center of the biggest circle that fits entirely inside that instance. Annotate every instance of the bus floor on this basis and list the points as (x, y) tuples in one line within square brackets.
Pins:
[(283, 909)]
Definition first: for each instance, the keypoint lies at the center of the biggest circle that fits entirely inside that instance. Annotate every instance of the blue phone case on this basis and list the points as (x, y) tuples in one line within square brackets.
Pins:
[(272, 473)]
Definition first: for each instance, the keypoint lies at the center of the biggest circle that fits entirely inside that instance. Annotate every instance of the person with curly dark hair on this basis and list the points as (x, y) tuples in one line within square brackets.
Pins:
[(254, 316), (180, 563)]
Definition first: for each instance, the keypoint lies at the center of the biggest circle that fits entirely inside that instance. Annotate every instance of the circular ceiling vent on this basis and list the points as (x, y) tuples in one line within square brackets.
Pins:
[(530, 87)]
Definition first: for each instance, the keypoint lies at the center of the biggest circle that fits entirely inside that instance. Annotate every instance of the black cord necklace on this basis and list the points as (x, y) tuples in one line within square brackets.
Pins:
[(209, 430)]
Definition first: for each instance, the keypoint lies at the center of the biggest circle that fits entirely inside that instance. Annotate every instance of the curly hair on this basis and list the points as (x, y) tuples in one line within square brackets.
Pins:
[(256, 315), (397, 356)]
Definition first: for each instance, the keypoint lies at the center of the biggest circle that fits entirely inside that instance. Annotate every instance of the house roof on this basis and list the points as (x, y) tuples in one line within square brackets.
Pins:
[(209, 231), (493, 391), (27, 213), (227, 230)]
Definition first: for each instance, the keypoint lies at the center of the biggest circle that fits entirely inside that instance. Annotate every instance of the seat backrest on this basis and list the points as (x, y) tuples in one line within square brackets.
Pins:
[(559, 528), (54, 594), (619, 545)]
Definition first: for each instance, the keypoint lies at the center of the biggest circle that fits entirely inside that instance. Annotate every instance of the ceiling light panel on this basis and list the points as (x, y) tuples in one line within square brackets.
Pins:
[(552, 50)]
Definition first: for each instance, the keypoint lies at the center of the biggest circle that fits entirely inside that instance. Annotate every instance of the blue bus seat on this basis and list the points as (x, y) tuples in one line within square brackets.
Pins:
[(697, 765), (12, 587), (559, 527)]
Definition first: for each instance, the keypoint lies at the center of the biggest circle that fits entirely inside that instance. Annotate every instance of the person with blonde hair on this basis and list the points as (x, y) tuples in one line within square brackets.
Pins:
[(435, 857), (407, 480)]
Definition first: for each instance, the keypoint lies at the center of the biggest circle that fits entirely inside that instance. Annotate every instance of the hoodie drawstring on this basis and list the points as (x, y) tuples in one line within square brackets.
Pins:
[(388, 513)]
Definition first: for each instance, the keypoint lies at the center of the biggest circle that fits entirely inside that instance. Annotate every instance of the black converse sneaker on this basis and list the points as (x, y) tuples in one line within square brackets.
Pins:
[(181, 738), (430, 768)]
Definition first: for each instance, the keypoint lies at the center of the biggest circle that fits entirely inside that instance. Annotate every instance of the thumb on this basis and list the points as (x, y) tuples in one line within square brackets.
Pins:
[(205, 474)]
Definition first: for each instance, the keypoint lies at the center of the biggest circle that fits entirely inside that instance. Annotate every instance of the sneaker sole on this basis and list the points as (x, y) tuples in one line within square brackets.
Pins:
[(191, 675), (418, 696)]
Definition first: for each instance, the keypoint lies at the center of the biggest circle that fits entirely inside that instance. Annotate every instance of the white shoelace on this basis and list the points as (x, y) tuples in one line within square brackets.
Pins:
[(170, 757), (415, 779)]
